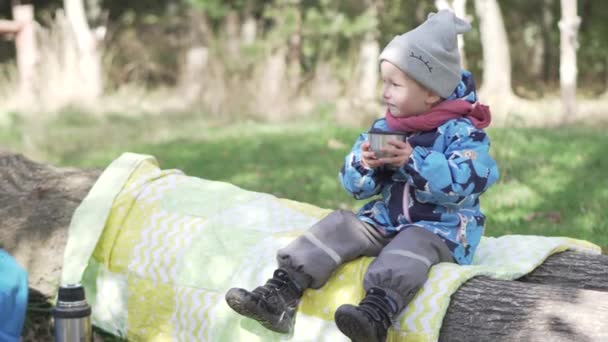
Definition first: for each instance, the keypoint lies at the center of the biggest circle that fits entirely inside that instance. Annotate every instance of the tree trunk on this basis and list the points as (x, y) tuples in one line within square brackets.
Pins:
[(368, 68), (537, 53), (194, 72), (492, 310), (89, 58), (583, 271), (27, 54), (9, 27), (546, 28), (443, 4), (496, 57), (459, 7), (605, 76), (195, 63), (568, 27), (231, 29), (270, 101), (294, 54), (249, 30), (37, 202)]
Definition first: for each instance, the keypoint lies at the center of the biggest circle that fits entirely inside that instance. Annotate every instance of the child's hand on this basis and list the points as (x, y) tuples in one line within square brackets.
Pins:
[(400, 152), (368, 157)]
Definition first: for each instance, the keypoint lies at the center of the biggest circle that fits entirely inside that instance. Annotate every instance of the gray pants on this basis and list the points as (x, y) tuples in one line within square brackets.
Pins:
[(400, 268)]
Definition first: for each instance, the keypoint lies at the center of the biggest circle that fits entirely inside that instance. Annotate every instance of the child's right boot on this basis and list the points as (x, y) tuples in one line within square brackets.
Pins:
[(274, 304)]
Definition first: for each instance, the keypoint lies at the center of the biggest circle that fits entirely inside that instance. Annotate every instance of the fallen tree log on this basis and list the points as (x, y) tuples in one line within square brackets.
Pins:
[(491, 310), (36, 204), (38, 200), (572, 269)]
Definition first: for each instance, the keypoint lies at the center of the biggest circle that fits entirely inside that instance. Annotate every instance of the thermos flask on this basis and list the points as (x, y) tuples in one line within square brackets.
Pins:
[(72, 315)]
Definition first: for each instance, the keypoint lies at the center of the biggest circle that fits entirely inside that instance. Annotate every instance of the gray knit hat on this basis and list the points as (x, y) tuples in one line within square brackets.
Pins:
[(429, 53)]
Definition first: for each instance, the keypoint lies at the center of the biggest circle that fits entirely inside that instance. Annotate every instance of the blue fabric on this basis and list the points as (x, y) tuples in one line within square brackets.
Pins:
[(450, 167), (13, 297), (466, 89)]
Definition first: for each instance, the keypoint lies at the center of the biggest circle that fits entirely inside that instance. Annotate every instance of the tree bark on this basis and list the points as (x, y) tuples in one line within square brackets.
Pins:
[(564, 299), (36, 204), (571, 269), (493, 310)]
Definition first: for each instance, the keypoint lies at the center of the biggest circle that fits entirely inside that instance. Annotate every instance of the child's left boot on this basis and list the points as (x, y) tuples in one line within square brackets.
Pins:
[(370, 320)]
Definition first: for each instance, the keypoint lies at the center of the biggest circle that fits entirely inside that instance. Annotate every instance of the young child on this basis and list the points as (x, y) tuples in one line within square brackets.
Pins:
[(429, 185)]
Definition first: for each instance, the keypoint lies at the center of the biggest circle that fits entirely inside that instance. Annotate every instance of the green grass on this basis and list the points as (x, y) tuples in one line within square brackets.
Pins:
[(553, 181)]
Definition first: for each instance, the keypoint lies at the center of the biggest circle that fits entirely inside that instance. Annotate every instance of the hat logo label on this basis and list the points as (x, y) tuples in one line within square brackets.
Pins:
[(426, 63)]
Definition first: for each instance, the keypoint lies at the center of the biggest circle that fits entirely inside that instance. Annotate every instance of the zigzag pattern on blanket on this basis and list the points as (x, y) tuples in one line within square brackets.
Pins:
[(172, 245)]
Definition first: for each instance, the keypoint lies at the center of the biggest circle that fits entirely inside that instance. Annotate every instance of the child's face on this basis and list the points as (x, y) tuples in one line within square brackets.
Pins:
[(404, 96)]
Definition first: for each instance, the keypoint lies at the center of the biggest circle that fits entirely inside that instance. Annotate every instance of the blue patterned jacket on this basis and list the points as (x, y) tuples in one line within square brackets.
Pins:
[(449, 169)]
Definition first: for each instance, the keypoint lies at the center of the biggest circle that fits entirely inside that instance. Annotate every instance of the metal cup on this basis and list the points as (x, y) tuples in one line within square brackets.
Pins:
[(72, 315), (380, 139)]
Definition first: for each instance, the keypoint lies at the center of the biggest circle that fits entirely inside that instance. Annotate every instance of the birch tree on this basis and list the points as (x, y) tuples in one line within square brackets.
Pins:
[(568, 27), (496, 56), (459, 8), (368, 58), (25, 46), (89, 57)]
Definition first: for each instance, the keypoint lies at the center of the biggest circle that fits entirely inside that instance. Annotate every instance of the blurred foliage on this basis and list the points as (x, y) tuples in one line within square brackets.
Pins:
[(147, 38), (216, 9)]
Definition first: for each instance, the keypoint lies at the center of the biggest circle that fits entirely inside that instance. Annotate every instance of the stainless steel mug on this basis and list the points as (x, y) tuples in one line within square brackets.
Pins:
[(379, 139), (72, 315)]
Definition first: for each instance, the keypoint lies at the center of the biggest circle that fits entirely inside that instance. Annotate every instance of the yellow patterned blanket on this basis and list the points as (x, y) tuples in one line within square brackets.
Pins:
[(156, 250)]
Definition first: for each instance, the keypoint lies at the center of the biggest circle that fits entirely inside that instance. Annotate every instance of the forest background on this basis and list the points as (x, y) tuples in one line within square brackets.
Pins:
[(270, 95)]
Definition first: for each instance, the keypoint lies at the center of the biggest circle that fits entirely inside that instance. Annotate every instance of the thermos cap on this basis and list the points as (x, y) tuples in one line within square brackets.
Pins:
[(71, 302), (71, 293)]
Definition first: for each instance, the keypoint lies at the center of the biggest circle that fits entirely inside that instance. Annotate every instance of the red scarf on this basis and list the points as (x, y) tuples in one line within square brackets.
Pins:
[(478, 113)]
